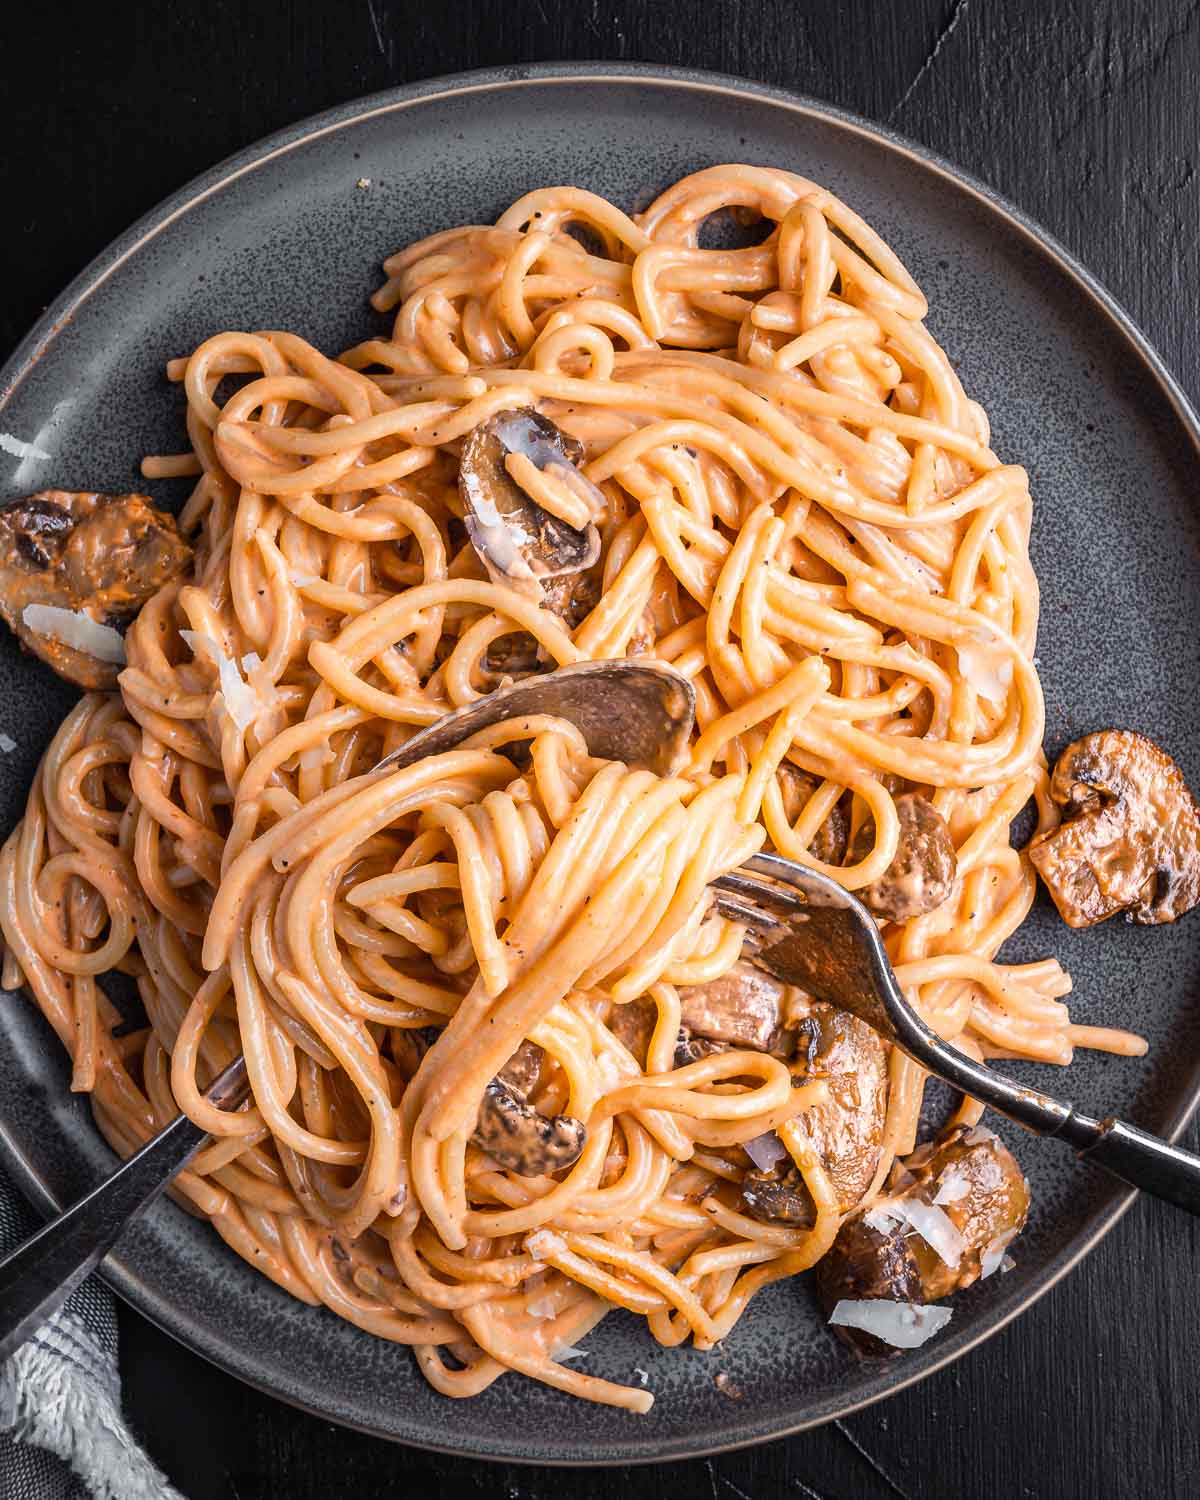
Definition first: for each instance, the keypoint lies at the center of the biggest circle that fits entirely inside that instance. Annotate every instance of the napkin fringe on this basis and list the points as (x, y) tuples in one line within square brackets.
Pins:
[(59, 1404)]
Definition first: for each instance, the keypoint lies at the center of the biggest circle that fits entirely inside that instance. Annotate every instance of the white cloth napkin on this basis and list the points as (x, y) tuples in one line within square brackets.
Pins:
[(62, 1435)]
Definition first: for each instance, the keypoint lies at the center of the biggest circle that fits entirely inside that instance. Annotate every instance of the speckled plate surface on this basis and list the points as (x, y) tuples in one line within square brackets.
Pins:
[(290, 235)]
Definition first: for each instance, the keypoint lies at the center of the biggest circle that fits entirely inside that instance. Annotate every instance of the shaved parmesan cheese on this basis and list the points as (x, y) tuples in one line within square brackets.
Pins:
[(992, 1257), (251, 662), (19, 448), (980, 1135), (7, 745), (882, 1219), (765, 1150), (242, 703), (988, 669), (926, 1219), (936, 1228), (569, 1351), (904, 1325), (953, 1186), (545, 1242), (77, 630), (643, 1377)]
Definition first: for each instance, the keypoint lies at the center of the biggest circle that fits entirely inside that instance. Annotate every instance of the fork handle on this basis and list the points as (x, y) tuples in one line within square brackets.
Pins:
[(1146, 1162)]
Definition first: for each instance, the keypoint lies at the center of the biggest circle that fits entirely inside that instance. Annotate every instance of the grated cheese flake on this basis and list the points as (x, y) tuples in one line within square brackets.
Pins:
[(904, 1325), (77, 630)]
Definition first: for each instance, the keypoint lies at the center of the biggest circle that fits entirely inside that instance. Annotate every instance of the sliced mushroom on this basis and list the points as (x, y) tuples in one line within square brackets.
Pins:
[(511, 1130), (829, 842), (954, 1207), (633, 1025), (523, 1069), (690, 1048), (410, 1046), (778, 1196), (922, 874), (521, 543), (97, 557), (1130, 840), (572, 597), (742, 1008), (515, 655), (641, 713), (845, 1129)]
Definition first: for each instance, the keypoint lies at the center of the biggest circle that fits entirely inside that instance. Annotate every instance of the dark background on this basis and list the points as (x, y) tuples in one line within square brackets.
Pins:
[(1087, 114)]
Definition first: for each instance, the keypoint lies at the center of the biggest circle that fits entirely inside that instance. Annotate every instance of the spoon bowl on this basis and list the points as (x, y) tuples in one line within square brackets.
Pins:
[(636, 711)]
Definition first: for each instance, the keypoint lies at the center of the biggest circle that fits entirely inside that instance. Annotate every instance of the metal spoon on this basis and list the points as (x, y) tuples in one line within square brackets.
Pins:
[(801, 926), (632, 711)]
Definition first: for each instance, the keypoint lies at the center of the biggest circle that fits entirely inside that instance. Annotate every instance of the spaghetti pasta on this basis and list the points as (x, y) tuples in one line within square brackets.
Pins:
[(799, 510)]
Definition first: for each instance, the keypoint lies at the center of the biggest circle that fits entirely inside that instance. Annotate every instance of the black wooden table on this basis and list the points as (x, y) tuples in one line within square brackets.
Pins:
[(1087, 114)]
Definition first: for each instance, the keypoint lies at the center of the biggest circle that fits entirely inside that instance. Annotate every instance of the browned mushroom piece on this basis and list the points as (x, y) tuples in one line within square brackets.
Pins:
[(633, 1026), (97, 557), (777, 1195), (523, 1070), (922, 874), (572, 597), (514, 655), (511, 1130), (690, 1048), (742, 1008), (521, 543), (409, 1046), (1130, 839), (830, 840), (845, 1129), (954, 1207)]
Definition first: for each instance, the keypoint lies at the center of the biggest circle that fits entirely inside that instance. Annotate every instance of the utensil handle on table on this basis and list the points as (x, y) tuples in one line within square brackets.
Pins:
[(38, 1276), (1146, 1162)]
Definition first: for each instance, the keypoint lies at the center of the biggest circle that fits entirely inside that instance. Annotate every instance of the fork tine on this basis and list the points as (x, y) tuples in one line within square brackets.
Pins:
[(806, 930)]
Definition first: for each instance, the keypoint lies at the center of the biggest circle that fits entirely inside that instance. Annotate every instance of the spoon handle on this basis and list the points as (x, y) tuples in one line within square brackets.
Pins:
[(1146, 1162), (38, 1276)]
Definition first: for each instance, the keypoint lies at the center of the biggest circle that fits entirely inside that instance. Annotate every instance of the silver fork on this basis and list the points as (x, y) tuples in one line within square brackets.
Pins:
[(806, 930)]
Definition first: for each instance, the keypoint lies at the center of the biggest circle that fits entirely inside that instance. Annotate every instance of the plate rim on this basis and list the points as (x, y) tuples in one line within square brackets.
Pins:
[(123, 1280)]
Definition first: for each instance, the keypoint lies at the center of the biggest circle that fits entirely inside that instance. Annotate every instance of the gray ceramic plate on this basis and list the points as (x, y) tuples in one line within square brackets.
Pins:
[(283, 237)]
